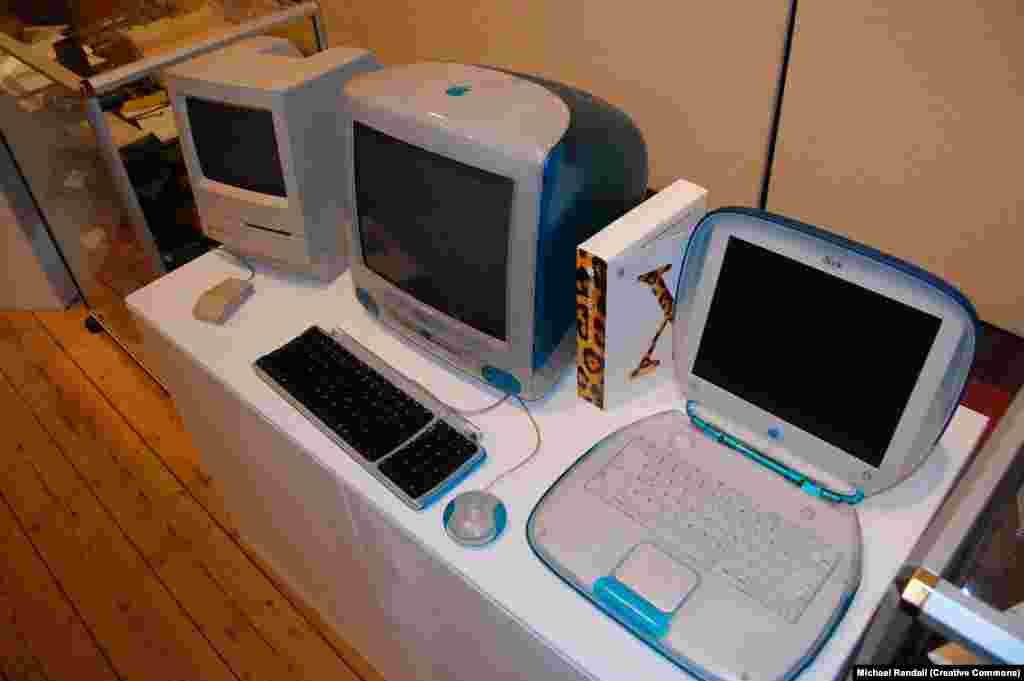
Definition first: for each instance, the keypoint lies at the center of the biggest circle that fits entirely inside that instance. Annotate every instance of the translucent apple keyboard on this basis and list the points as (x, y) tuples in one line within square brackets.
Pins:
[(404, 436), (714, 527)]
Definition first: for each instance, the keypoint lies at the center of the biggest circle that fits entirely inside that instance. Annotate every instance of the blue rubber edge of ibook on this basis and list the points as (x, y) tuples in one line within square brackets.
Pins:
[(632, 607), (794, 476)]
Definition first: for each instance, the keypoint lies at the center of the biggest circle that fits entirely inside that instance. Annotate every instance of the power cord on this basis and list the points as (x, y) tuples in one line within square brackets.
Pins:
[(495, 405), (536, 448)]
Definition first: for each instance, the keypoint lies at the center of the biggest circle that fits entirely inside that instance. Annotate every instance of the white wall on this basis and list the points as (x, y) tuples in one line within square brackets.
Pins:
[(901, 127), (697, 77)]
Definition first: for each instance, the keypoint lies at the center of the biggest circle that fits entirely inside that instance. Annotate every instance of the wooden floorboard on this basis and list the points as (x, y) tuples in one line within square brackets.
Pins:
[(16, 659), (34, 607), (137, 622), (131, 534)]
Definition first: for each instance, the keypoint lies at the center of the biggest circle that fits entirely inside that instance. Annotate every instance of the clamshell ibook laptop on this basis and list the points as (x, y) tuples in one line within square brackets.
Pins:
[(816, 372)]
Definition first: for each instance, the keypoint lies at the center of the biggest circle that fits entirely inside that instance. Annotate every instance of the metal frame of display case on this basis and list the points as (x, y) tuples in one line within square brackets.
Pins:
[(91, 89)]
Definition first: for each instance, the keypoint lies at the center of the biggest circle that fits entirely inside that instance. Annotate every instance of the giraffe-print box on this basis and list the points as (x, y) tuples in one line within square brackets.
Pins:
[(625, 281)]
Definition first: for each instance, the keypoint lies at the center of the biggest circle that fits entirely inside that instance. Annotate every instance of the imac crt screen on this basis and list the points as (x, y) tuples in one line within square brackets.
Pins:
[(236, 145), (436, 228), (833, 358)]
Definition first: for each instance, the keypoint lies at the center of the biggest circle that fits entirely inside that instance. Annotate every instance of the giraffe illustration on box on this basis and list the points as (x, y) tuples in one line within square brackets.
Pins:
[(654, 280)]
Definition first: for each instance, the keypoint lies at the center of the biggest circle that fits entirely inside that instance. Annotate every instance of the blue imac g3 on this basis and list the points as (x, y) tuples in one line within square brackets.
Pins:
[(473, 186)]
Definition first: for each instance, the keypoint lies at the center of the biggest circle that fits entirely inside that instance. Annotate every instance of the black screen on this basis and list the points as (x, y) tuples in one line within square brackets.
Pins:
[(236, 146), (434, 227), (828, 356)]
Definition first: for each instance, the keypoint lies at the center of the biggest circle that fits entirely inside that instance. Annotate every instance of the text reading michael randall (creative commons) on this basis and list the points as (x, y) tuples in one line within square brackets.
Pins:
[(958, 671)]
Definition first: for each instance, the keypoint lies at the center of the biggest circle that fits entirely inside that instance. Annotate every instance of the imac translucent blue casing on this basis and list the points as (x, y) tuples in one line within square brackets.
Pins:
[(472, 188)]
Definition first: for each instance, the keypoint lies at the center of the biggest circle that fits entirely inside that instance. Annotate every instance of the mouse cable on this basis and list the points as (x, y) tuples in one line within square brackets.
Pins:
[(536, 448), (248, 265), (483, 410), (466, 413)]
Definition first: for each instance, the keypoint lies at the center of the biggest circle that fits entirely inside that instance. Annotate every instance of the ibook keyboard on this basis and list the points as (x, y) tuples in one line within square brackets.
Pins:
[(397, 430), (706, 523)]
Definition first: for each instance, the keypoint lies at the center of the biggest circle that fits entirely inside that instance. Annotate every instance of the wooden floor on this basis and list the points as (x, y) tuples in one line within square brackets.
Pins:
[(119, 560)]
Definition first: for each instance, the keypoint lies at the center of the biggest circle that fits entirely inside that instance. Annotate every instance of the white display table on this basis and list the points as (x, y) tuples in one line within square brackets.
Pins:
[(414, 603)]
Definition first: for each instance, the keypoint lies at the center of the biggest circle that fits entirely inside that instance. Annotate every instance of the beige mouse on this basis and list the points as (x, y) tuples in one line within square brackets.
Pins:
[(220, 302)]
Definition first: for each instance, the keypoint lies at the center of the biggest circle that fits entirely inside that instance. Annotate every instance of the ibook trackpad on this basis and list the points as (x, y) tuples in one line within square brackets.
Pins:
[(656, 577)]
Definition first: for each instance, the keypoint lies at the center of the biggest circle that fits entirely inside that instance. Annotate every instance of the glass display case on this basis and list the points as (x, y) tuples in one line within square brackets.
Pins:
[(84, 117), (956, 597)]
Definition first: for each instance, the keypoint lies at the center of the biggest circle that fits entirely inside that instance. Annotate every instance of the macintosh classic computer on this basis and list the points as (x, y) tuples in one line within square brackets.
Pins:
[(473, 187), (264, 133)]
